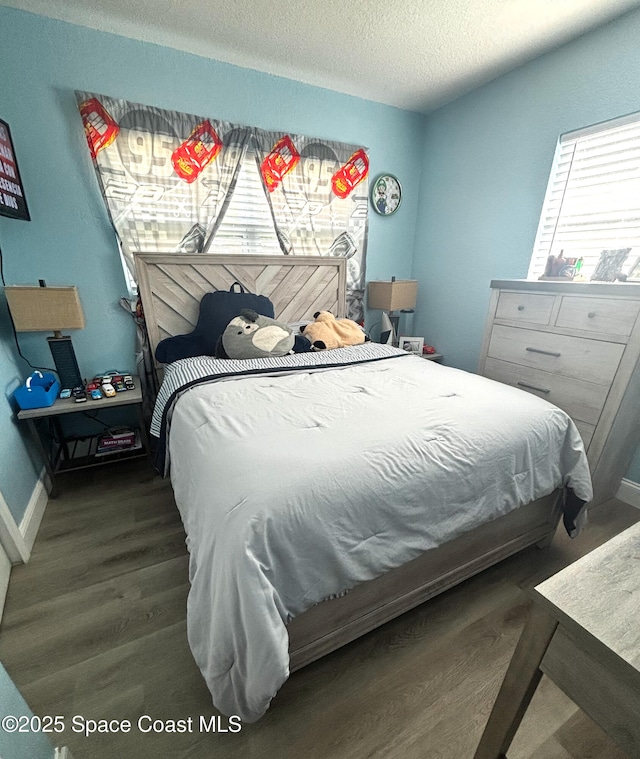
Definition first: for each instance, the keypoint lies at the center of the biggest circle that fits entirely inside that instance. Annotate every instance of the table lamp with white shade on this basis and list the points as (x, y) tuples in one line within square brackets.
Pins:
[(50, 309), (390, 297)]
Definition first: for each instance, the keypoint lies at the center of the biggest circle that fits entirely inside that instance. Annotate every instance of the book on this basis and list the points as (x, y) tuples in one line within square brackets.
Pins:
[(114, 441)]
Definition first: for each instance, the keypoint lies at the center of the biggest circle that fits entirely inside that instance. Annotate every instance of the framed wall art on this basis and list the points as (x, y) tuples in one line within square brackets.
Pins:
[(12, 200)]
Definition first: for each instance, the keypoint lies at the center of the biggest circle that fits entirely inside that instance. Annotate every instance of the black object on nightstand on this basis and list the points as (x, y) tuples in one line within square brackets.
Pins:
[(65, 360)]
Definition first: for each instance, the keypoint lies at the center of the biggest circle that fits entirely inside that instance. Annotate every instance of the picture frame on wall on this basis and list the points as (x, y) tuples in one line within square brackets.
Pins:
[(13, 202), (411, 344)]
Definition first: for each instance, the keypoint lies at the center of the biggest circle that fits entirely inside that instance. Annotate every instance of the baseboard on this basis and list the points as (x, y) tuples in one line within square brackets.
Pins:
[(629, 492), (34, 512), (10, 535), (18, 540), (5, 574)]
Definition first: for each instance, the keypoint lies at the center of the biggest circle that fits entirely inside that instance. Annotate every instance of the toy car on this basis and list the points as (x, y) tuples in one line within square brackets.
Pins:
[(196, 152), (128, 381), (96, 394), (79, 394), (279, 161), (108, 389), (66, 393), (100, 128), (351, 174)]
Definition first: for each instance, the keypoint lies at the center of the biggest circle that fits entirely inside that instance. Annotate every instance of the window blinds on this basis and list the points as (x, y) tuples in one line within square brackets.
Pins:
[(592, 201), (247, 226)]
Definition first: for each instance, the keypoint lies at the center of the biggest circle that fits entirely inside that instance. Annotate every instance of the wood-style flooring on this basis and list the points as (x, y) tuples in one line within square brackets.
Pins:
[(95, 626)]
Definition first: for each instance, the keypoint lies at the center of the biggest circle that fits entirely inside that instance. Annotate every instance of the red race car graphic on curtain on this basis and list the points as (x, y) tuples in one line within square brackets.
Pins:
[(196, 152), (351, 174), (282, 157), (100, 128)]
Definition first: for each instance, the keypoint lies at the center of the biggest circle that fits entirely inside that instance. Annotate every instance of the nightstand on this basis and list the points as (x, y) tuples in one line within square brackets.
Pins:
[(72, 453), (432, 356)]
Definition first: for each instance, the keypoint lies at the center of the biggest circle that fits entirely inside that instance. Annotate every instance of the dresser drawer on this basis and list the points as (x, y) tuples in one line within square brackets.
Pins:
[(583, 401), (614, 317), (577, 357), (528, 307)]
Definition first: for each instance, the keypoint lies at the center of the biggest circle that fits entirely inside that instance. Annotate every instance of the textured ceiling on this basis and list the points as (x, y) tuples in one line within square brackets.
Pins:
[(414, 54)]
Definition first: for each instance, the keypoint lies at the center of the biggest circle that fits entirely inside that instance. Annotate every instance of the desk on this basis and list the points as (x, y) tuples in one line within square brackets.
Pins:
[(80, 453), (584, 633)]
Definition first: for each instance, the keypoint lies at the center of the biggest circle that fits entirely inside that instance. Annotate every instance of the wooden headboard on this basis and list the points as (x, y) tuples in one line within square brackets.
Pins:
[(172, 284)]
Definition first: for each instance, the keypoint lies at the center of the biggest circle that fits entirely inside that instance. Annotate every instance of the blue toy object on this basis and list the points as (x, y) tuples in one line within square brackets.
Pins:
[(38, 391)]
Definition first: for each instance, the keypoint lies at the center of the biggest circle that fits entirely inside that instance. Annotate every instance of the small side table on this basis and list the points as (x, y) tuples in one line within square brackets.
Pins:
[(583, 633), (81, 453), (432, 356)]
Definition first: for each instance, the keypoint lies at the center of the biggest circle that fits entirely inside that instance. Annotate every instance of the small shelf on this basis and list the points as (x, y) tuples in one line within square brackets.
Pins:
[(82, 453)]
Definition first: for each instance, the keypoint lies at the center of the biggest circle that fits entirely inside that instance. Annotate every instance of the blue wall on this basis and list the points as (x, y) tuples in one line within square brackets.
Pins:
[(70, 241), (486, 163), (34, 745)]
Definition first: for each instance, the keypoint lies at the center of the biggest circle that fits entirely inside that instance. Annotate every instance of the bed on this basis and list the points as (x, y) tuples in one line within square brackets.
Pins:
[(324, 494)]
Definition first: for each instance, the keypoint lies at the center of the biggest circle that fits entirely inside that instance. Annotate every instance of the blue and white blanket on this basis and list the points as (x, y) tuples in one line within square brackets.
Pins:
[(182, 375), (297, 481)]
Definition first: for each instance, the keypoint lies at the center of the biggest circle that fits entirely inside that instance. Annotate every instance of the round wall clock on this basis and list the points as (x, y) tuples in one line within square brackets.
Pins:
[(386, 194)]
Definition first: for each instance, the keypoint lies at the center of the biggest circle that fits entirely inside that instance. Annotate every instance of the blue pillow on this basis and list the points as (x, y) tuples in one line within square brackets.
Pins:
[(217, 309)]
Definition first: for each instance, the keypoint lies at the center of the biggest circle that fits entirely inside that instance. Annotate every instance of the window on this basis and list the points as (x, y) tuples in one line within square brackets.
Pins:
[(170, 190), (247, 226), (593, 197)]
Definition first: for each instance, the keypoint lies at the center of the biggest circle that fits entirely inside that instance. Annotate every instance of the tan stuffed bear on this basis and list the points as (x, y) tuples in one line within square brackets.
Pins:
[(327, 332)]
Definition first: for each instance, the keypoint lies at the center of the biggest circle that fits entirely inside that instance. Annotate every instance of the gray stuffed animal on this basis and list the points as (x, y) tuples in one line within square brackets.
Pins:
[(251, 335)]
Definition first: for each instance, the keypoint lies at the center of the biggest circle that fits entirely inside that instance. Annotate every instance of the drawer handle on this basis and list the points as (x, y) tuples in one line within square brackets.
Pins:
[(533, 387), (591, 314), (544, 353), (520, 308)]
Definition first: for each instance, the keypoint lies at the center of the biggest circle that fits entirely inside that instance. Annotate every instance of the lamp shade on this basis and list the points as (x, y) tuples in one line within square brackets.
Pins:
[(393, 295), (44, 309)]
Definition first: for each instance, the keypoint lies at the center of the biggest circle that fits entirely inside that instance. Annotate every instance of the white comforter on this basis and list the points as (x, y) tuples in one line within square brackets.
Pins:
[(295, 488)]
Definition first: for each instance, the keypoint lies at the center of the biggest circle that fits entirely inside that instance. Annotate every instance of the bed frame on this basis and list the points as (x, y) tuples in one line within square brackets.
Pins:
[(171, 287)]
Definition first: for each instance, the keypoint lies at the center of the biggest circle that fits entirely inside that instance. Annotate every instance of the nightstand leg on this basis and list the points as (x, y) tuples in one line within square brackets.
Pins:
[(53, 493), (143, 430)]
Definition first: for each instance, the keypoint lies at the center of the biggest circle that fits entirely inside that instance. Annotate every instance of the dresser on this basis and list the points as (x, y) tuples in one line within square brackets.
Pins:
[(577, 345)]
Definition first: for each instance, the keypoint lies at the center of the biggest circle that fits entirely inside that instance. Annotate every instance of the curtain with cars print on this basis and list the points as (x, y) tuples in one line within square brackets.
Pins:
[(167, 179), (318, 193)]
